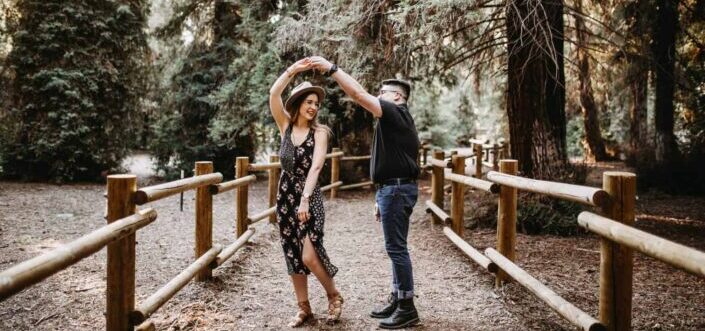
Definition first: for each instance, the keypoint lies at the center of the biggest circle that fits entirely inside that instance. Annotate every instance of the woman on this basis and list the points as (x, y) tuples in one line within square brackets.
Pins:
[(299, 204)]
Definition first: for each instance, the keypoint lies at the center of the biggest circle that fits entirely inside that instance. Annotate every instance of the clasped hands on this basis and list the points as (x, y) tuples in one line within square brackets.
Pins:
[(314, 62)]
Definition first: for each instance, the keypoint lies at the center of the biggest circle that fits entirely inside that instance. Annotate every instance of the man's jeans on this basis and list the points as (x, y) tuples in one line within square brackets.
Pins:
[(396, 202)]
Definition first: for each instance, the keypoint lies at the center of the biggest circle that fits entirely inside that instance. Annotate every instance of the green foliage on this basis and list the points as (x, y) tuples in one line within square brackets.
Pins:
[(575, 133), (535, 215), (78, 70), (548, 216), (216, 105)]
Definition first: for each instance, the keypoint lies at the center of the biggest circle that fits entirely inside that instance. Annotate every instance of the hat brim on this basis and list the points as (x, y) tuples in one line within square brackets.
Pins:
[(313, 89)]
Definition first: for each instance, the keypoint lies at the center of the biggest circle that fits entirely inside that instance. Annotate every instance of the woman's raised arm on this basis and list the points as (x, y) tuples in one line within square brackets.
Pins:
[(276, 104)]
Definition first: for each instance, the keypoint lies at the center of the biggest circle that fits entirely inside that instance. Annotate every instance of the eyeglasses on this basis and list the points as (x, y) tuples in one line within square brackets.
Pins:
[(383, 91)]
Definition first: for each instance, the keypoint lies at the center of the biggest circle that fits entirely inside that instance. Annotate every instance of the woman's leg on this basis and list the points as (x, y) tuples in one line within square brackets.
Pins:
[(313, 263), (300, 282)]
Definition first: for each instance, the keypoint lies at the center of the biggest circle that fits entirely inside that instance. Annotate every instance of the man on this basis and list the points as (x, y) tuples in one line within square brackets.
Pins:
[(394, 170)]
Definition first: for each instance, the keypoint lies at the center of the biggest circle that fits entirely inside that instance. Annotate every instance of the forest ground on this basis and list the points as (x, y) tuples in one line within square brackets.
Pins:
[(252, 291)]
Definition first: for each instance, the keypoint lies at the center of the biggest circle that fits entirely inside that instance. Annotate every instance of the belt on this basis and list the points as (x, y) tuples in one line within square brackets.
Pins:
[(395, 181)]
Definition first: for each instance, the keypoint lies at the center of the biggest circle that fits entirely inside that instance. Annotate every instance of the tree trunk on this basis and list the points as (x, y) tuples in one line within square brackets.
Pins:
[(535, 89), (595, 147), (664, 52), (639, 141), (226, 21)]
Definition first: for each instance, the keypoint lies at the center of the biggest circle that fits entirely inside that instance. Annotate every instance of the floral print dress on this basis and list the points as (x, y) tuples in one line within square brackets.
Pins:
[(296, 162)]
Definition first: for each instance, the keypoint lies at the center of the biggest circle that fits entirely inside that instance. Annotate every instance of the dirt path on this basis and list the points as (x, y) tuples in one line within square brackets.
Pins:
[(252, 291)]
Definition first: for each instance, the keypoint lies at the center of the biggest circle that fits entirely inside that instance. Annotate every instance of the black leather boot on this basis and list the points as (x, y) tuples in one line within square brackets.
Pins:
[(386, 311), (404, 316)]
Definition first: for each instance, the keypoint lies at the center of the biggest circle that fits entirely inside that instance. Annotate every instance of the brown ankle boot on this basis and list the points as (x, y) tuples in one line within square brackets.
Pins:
[(303, 315), (335, 308)]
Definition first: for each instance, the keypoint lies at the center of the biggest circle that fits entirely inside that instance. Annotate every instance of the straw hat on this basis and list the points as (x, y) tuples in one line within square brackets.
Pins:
[(302, 89)]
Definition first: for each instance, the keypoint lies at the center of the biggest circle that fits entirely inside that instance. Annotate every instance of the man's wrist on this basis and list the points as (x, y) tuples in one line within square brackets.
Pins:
[(333, 68)]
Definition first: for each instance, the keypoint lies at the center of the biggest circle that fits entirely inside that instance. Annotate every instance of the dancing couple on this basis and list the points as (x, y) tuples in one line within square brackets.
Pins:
[(300, 213)]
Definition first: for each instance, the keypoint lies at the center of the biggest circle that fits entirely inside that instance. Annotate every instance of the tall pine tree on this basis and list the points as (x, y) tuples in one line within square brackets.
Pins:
[(78, 78)]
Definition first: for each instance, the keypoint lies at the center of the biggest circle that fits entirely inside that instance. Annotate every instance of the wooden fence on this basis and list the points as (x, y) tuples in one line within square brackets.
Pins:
[(615, 202), (124, 219)]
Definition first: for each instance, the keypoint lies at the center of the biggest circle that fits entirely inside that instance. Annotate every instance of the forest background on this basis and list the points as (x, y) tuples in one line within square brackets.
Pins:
[(85, 83)]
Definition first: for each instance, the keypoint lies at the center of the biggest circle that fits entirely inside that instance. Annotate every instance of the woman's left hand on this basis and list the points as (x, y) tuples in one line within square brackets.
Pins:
[(302, 212)]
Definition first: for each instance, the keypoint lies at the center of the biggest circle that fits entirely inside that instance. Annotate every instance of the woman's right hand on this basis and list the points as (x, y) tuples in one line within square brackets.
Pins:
[(300, 66)]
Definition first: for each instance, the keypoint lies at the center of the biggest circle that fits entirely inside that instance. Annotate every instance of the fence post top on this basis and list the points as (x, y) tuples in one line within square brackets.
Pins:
[(122, 176), (204, 162), (242, 158), (618, 174), (508, 161)]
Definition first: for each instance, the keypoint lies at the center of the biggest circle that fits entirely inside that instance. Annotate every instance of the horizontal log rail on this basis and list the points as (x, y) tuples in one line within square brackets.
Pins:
[(470, 171), (440, 163), (488, 164), (583, 194), (156, 300), (262, 215), (472, 182), (356, 158), (436, 210), (470, 251), (156, 192), (677, 255), (352, 186), (229, 251), (331, 185), (466, 154), (32, 271), (232, 184), (264, 166), (334, 154), (556, 302), (146, 326)]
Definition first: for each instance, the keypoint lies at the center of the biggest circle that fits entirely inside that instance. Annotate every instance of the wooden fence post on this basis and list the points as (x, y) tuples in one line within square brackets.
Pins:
[(241, 164), (334, 172), (478, 160), (204, 218), (424, 153), (506, 219), (437, 182), (495, 157), (273, 186), (616, 262), (120, 291), (457, 201)]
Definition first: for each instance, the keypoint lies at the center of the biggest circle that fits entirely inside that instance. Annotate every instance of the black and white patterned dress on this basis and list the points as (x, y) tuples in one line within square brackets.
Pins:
[(296, 162)]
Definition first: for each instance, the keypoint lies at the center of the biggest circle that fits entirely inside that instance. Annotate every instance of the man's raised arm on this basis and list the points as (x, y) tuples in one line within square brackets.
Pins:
[(350, 86)]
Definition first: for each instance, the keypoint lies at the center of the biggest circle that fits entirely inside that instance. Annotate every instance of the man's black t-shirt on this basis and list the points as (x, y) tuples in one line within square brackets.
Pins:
[(395, 145)]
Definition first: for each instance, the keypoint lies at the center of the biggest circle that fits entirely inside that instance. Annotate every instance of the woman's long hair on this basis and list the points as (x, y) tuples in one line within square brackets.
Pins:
[(314, 123)]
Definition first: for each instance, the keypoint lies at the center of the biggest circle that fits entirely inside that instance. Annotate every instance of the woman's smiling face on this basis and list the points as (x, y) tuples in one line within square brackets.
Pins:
[(309, 106)]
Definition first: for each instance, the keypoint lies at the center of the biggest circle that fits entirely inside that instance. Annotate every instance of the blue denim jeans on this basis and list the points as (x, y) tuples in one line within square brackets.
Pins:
[(396, 202)]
